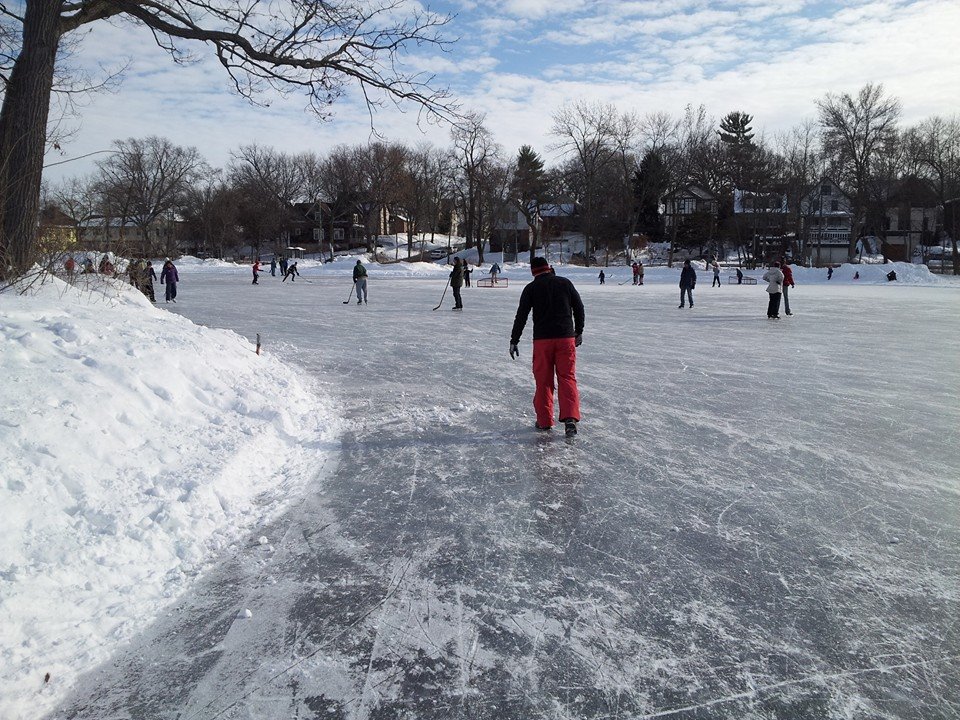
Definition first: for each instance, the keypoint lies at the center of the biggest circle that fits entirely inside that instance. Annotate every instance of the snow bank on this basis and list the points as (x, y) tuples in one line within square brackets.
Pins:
[(133, 446), (907, 273)]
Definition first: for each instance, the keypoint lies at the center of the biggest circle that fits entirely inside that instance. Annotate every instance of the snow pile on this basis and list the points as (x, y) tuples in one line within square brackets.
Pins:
[(135, 445), (342, 267)]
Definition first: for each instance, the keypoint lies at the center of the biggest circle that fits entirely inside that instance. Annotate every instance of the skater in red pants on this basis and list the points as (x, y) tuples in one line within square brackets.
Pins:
[(557, 332)]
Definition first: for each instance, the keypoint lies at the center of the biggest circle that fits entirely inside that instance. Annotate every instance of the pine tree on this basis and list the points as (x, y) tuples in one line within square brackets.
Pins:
[(528, 188)]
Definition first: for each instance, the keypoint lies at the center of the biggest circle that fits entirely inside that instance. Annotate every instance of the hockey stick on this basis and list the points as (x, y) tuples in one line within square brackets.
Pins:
[(624, 282), (444, 294), (347, 301)]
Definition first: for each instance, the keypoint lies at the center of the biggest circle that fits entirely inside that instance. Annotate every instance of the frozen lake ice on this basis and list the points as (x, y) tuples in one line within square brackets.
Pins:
[(759, 519)]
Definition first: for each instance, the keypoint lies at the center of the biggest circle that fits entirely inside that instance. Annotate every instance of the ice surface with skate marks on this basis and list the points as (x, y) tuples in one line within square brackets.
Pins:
[(716, 543)]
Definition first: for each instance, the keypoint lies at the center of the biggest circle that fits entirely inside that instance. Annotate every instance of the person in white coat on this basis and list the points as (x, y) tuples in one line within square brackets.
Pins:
[(774, 279)]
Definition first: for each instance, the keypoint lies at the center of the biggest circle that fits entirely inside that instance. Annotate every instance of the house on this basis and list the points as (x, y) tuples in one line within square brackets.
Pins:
[(558, 219), (57, 231), (316, 224), (163, 236), (826, 217), (512, 233), (686, 201), (763, 218), (913, 215)]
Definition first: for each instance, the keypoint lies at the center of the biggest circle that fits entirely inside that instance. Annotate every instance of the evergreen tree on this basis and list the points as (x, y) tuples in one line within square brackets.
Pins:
[(527, 189), (735, 128), (650, 183)]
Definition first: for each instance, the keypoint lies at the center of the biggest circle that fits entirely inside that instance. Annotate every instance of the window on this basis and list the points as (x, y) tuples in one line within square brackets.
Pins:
[(834, 205), (338, 233), (316, 235)]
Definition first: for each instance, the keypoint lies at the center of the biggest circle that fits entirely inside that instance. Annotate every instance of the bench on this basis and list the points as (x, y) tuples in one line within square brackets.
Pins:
[(747, 280), (488, 282)]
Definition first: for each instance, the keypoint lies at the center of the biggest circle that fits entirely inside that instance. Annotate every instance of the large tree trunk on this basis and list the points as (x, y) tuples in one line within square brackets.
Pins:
[(23, 128)]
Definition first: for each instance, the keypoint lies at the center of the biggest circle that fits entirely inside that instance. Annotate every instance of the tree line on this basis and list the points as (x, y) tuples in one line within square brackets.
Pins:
[(617, 167)]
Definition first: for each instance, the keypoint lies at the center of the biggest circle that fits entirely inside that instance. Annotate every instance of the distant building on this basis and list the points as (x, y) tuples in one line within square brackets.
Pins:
[(826, 218), (689, 200), (913, 216), (763, 220), (57, 231)]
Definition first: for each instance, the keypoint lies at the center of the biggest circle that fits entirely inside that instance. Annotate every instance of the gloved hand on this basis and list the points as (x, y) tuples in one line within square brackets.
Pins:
[(514, 350), (578, 341)]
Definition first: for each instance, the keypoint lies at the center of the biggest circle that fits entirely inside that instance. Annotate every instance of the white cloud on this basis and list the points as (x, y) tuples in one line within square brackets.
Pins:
[(774, 70)]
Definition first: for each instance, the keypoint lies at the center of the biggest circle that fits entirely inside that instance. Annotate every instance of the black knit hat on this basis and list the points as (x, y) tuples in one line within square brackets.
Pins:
[(538, 262)]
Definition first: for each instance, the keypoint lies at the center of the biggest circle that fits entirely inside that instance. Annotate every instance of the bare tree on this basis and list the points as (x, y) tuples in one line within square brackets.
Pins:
[(802, 166), (155, 174), (473, 150), (77, 198), (380, 167), (317, 46), (269, 182), (936, 152), (586, 133), (422, 189), (856, 133)]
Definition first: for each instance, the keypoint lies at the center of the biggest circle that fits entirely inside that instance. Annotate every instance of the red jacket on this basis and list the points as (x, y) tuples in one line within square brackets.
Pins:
[(787, 275), (256, 266)]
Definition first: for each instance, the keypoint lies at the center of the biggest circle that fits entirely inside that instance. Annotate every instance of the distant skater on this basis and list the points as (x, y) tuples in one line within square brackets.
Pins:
[(602, 277), (774, 279), (787, 284), (273, 266), (636, 273), (456, 282), (360, 282), (829, 273), (557, 333), (283, 266), (639, 272), (256, 272), (149, 275), (716, 275), (169, 277), (739, 276), (688, 281), (291, 273), (494, 272), (466, 273)]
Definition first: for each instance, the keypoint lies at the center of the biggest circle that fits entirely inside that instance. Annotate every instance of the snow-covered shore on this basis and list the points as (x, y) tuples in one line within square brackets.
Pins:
[(869, 274), (135, 446)]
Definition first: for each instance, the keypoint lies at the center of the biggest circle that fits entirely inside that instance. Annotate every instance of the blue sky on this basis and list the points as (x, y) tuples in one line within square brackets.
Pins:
[(519, 60)]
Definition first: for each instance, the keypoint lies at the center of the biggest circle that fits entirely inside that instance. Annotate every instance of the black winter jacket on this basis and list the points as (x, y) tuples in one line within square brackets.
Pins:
[(456, 276), (557, 309), (688, 278)]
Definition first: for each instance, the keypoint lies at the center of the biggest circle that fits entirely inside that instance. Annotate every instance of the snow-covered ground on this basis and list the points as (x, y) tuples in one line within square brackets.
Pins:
[(136, 447), (759, 518)]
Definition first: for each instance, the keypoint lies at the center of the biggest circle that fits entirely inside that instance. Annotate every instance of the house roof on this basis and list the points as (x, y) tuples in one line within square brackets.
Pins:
[(695, 190)]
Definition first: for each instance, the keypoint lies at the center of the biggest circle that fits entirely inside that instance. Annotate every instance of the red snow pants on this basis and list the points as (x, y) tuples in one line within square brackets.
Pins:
[(555, 356)]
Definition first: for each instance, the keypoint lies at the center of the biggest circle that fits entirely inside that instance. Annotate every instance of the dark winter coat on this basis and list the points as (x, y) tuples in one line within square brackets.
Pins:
[(688, 278), (557, 309), (169, 274), (456, 276), (359, 271)]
